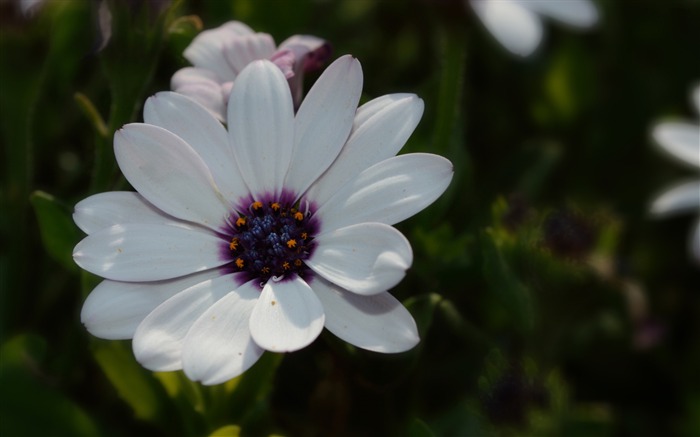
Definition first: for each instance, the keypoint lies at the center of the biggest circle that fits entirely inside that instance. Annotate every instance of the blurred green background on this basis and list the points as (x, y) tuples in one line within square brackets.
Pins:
[(548, 302)]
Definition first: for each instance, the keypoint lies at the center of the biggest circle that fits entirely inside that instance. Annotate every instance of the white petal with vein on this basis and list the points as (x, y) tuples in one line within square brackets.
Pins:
[(377, 323), (287, 317), (148, 252), (218, 346), (381, 129), (104, 210), (261, 126), (366, 258), (113, 310), (158, 340), (198, 128), (388, 192), (169, 174), (323, 122)]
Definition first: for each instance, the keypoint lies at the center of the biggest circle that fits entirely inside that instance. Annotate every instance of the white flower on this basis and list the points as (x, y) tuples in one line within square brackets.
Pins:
[(256, 238), (220, 54), (681, 140), (516, 23)]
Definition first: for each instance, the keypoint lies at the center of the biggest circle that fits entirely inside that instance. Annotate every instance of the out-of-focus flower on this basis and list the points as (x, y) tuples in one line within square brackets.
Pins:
[(220, 54), (517, 25), (256, 236), (30, 7), (681, 140)]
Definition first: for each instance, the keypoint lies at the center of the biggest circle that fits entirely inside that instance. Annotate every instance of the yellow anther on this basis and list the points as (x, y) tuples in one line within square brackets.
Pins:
[(304, 235), (234, 244), (257, 205), (239, 263), (299, 216), (292, 244), (240, 222), (275, 206), (285, 265), (265, 270), (297, 262)]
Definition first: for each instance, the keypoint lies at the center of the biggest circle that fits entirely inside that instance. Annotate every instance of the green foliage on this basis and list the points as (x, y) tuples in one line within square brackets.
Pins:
[(58, 233), (547, 302), (31, 403)]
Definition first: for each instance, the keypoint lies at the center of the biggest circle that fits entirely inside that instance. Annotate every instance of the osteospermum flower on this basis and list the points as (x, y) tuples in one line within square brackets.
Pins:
[(256, 238), (517, 25), (220, 54), (681, 140)]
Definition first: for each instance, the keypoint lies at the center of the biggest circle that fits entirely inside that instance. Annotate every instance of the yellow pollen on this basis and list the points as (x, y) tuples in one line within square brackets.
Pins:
[(304, 235), (299, 216), (257, 205), (239, 263), (297, 262), (292, 244), (234, 244), (275, 206), (285, 265), (240, 222), (265, 270)]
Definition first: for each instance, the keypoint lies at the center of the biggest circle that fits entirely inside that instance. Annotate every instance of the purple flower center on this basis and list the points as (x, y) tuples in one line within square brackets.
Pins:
[(271, 241)]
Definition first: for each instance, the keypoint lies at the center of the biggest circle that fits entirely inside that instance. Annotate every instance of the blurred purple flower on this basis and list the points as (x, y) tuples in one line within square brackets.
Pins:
[(219, 55)]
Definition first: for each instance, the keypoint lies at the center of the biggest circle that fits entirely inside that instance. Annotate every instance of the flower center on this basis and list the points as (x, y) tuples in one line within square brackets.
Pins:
[(272, 241)]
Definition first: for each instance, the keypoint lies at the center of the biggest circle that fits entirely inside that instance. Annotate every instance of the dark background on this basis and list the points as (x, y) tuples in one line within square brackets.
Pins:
[(548, 301)]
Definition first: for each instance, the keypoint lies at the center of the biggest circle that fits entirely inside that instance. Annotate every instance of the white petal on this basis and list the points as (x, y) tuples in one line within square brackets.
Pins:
[(207, 49), (202, 86), (158, 340), (377, 323), (203, 133), (302, 45), (680, 139), (323, 122), (695, 242), (695, 96), (261, 126), (113, 310), (242, 50), (678, 199), (578, 13), (218, 346), (287, 317), (388, 192), (367, 258), (210, 95), (104, 210), (147, 252), (189, 75), (382, 127), (515, 27), (169, 174)]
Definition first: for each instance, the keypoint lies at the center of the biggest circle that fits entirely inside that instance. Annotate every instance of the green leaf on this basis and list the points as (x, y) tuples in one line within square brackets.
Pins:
[(227, 431), (135, 385), (28, 405), (58, 233), (418, 428), (423, 310), (506, 285)]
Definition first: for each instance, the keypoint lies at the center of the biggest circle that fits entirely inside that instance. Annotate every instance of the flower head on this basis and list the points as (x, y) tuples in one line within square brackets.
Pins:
[(681, 140), (516, 23), (256, 237), (219, 55)]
